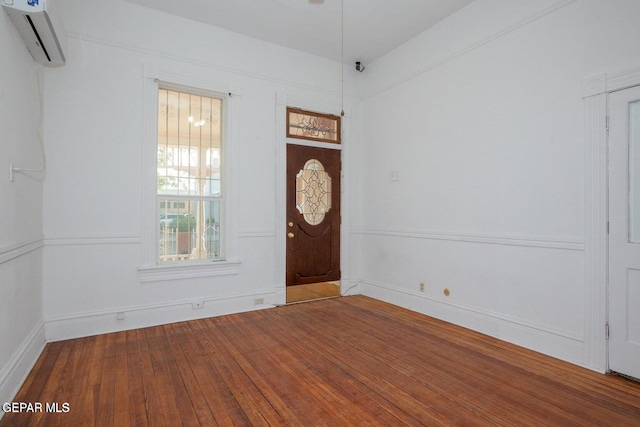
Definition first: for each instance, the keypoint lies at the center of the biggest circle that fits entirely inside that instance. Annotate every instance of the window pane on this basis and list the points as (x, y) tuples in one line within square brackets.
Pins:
[(189, 229), (212, 229), (189, 144), (177, 227), (314, 126)]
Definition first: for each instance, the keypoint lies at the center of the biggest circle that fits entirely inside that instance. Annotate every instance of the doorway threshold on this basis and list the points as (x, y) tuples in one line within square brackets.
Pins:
[(312, 292)]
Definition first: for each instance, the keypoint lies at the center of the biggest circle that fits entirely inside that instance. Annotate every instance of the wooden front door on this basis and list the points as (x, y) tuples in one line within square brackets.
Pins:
[(313, 215)]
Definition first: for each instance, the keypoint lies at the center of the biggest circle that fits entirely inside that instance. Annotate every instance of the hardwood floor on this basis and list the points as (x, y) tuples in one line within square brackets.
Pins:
[(334, 362)]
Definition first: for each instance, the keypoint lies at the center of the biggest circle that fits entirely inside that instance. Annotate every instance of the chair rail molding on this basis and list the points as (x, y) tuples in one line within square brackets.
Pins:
[(545, 242), (18, 249)]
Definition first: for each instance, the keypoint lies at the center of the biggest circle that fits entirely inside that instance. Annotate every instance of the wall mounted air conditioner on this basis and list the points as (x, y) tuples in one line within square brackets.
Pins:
[(40, 27)]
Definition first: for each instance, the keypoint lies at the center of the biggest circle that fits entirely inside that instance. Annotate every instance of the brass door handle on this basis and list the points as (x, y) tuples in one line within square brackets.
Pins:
[(290, 235)]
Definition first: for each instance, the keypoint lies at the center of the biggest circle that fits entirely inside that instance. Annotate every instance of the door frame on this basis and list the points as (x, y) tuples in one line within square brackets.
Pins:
[(282, 102), (595, 91)]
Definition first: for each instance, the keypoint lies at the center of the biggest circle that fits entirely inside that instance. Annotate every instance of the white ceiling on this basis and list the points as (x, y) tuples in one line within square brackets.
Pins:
[(371, 27)]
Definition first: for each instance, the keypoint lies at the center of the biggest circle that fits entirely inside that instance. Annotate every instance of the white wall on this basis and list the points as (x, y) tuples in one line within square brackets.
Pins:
[(21, 324), (482, 119), (94, 130)]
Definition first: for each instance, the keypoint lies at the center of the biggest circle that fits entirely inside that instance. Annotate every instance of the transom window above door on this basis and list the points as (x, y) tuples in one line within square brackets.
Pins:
[(302, 124)]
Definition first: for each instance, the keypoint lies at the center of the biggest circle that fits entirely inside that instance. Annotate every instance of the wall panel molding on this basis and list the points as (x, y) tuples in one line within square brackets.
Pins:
[(508, 240), (18, 249), (128, 239), (92, 239), (256, 234)]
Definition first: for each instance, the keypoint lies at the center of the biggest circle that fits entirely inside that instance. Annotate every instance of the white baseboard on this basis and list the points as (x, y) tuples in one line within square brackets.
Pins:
[(560, 344), (15, 372), (134, 317)]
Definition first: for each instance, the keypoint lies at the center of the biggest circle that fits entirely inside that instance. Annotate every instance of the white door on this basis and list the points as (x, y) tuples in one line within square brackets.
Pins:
[(624, 232)]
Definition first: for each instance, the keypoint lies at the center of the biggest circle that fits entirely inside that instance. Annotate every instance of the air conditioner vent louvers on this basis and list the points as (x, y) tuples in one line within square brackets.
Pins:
[(40, 27), (35, 31)]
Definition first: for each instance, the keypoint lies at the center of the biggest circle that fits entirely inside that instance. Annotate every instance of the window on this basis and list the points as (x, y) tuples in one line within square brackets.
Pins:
[(303, 124), (189, 196), (189, 177)]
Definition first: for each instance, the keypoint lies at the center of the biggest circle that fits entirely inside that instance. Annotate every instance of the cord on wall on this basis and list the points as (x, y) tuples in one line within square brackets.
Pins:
[(346, 292), (14, 170)]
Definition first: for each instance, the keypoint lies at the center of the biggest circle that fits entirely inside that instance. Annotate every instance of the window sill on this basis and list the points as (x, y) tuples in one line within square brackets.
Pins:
[(157, 273)]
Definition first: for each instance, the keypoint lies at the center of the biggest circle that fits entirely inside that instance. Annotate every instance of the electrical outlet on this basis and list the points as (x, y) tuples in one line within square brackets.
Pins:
[(421, 286), (258, 301), (197, 304), (120, 315)]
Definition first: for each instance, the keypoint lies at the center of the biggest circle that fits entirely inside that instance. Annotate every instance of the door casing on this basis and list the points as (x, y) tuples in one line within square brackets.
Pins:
[(624, 255), (282, 101), (596, 89)]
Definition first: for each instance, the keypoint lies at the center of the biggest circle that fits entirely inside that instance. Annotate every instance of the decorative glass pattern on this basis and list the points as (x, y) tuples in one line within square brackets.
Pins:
[(313, 192), (303, 124)]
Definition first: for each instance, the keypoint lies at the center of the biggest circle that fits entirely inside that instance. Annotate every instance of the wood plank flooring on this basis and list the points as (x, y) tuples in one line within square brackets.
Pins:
[(335, 362)]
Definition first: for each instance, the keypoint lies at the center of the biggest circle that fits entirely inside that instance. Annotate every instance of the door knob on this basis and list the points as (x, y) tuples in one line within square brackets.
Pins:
[(290, 223), (290, 235)]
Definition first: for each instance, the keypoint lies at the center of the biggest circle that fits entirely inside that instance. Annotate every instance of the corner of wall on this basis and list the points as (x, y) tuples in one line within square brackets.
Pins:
[(15, 372)]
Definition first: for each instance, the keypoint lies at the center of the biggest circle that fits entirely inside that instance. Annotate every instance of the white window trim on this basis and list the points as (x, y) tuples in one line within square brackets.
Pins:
[(150, 270)]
